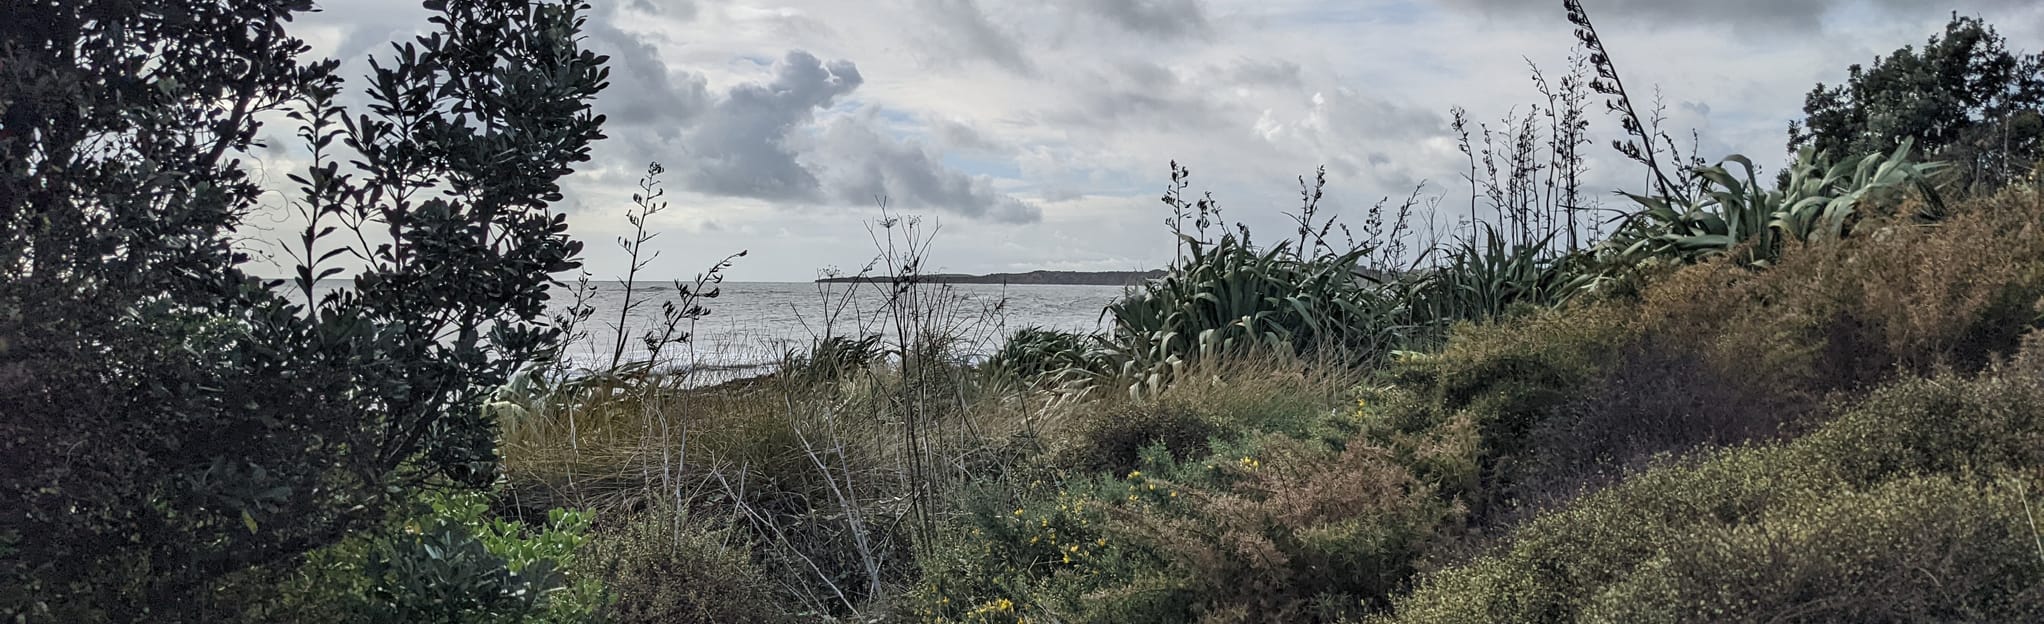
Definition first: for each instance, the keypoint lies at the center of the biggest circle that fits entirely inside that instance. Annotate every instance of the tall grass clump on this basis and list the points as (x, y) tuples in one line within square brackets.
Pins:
[(816, 483)]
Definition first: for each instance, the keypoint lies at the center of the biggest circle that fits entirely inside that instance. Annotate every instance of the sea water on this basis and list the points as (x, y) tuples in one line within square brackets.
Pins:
[(751, 325)]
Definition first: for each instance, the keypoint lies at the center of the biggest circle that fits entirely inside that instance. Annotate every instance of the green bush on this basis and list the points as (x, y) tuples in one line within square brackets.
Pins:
[(174, 421), (1711, 355), (1113, 440), (1463, 418), (668, 570), (1808, 523), (448, 560), (1232, 496), (1923, 549)]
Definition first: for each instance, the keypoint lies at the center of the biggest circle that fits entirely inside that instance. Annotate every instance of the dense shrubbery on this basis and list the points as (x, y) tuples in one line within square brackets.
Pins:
[(1229, 498), (1323, 513), (1908, 507)]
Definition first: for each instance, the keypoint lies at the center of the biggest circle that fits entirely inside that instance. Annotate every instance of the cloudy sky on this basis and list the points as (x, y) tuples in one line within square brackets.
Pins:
[(1037, 133)]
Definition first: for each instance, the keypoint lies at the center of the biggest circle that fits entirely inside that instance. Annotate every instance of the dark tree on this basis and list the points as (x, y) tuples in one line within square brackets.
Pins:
[(1964, 97), (169, 423)]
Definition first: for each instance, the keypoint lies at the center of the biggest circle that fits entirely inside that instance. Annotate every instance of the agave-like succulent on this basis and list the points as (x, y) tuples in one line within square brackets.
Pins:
[(1484, 276), (1230, 298), (1732, 213)]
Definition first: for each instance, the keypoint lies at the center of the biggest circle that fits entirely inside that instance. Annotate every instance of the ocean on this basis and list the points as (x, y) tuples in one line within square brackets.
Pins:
[(751, 325)]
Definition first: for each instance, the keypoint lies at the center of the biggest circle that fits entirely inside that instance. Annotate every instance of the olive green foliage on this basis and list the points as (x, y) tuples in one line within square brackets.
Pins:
[(1713, 354), (173, 421), (1114, 441), (1235, 496), (1964, 97), (1909, 507), (665, 569)]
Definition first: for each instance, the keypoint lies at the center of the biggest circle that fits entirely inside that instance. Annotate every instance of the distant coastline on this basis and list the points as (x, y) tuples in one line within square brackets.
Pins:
[(1060, 278)]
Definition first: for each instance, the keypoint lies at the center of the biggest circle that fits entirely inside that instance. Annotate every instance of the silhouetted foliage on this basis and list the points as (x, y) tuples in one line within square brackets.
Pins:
[(171, 420)]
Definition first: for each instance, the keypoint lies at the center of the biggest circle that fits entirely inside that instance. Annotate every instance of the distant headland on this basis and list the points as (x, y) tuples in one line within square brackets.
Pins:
[(1061, 278)]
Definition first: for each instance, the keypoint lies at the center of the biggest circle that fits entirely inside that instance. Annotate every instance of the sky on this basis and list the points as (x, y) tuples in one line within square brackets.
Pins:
[(1038, 134)]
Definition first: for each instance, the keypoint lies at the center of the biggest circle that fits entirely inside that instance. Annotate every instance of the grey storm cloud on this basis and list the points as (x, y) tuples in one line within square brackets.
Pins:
[(763, 140), (745, 144), (1161, 18), (865, 165), (644, 90)]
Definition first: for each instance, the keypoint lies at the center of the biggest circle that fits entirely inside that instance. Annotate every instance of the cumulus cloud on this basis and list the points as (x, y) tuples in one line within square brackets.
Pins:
[(646, 91), (744, 144), (767, 140)]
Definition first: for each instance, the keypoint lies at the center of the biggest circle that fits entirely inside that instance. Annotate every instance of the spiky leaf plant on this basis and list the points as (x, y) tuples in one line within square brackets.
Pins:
[(1728, 214)]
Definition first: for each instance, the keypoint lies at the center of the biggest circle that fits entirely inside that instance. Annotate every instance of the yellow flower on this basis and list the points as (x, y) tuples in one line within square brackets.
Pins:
[(1135, 474), (1250, 463)]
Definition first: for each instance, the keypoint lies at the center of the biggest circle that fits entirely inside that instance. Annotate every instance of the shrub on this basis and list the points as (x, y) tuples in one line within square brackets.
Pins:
[(1924, 549), (1714, 354), (673, 570), (1113, 441), (1269, 516), (1774, 523), (1293, 531), (172, 421), (448, 559), (1485, 392), (1654, 400)]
